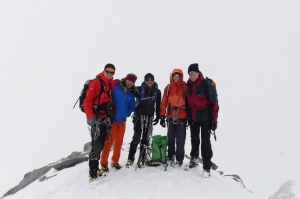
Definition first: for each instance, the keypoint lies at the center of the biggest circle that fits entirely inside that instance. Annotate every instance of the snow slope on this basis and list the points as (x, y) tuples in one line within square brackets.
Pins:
[(149, 182)]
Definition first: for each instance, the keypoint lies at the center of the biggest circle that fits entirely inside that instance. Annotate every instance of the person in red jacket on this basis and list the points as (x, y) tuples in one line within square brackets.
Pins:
[(173, 108), (202, 109), (95, 106)]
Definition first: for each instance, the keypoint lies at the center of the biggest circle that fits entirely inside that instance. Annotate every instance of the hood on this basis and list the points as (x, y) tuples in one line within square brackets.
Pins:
[(176, 70)]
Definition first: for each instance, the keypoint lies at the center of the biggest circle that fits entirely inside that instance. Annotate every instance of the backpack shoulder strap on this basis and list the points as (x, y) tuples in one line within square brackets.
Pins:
[(205, 85), (168, 89), (101, 89)]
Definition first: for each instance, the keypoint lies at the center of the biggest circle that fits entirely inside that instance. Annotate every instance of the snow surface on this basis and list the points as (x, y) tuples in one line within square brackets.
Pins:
[(143, 183), (249, 47)]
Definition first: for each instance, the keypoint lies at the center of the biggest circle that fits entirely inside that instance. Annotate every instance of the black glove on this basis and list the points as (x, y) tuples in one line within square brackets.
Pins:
[(163, 121), (155, 121), (214, 126), (190, 122)]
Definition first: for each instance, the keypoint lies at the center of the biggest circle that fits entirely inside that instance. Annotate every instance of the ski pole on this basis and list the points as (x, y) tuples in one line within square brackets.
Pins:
[(214, 134)]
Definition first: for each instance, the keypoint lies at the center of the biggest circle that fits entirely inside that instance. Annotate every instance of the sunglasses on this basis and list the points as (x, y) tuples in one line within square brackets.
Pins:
[(192, 73), (109, 72), (150, 80), (176, 75)]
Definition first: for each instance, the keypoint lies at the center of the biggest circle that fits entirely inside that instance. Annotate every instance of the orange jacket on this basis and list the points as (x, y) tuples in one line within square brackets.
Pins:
[(175, 97)]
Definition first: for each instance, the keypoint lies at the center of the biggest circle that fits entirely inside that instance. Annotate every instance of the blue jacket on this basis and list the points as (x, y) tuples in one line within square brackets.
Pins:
[(125, 103)]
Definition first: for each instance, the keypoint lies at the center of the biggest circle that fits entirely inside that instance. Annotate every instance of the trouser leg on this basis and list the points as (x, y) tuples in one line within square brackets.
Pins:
[(106, 149), (195, 139), (97, 146), (180, 134), (117, 137), (171, 140), (206, 150), (136, 138), (145, 132), (94, 157)]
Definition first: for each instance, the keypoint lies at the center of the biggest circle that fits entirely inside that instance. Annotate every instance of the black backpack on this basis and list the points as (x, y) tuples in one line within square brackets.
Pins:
[(82, 95)]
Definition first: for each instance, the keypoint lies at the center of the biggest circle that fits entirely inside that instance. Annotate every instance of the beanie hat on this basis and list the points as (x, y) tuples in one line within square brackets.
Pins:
[(149, 76), (132, 77), (194, 67), (110, 66)]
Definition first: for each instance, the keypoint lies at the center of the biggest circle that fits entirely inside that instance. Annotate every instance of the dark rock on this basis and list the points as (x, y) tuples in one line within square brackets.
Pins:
[(87, 147), (70, 161), (28, 178)]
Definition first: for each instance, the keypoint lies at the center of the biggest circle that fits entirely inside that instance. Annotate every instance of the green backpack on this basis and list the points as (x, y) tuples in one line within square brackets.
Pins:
[(159, 148)]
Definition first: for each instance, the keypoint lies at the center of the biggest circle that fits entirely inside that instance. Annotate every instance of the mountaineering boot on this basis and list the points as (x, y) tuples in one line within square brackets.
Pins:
[(93, 164), (103, 171), (129, 163), (93, 179), (194, 162), (171, 163), (206, 173), (179, 163), (93, 175), (116, 166)]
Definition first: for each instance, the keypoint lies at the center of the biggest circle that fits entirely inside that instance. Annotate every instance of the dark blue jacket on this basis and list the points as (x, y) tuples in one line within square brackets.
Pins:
[(125, 103)]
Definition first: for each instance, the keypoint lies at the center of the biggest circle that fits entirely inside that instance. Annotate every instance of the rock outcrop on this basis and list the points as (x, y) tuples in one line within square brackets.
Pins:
[(70, 161)]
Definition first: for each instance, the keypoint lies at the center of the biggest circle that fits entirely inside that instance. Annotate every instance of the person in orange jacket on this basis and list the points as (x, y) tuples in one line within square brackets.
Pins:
[(97, 97), (172, 110), (123, 96)]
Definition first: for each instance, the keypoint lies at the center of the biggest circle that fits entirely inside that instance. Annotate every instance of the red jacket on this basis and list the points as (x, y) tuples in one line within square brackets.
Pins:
[(93, 91), (175, 97), (201, 105)]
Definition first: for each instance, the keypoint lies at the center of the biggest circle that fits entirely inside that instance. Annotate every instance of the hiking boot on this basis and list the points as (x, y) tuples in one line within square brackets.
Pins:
[(93, 179), (93, 173), (194, 162), (171, 163), (179, 163), (205, 173), (116, 166), (103, 171), (129, 163)]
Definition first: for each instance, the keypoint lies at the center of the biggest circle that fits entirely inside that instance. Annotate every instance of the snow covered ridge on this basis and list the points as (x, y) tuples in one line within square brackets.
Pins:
[(73, 182)]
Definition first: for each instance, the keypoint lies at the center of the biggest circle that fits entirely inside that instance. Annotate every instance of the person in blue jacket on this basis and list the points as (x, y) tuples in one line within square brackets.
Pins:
[(124, 97)]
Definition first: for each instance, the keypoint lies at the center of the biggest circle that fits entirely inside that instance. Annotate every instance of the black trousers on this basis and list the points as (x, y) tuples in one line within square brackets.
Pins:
[(176, 139), (97, 146), (206, 150), (140, 130)]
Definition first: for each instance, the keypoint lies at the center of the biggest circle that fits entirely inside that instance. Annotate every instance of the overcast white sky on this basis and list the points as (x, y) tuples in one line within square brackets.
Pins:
[(250, 48)]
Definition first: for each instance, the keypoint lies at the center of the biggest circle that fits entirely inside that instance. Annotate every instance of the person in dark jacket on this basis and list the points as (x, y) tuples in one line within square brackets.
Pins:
[(94, 106), (202, 112), (148, 104)]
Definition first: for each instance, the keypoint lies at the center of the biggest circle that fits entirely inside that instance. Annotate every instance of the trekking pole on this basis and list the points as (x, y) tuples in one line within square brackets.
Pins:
[(76, 102), (214, 134)]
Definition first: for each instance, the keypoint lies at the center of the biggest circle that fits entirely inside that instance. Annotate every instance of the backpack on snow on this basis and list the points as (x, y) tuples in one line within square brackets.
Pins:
[(159, 148), (82, 95)]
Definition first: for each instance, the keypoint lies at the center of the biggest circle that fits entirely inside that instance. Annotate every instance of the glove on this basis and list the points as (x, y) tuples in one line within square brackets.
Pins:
[(190, 122), (163, 121), (155, 120), (90, 121), (214, 126)]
